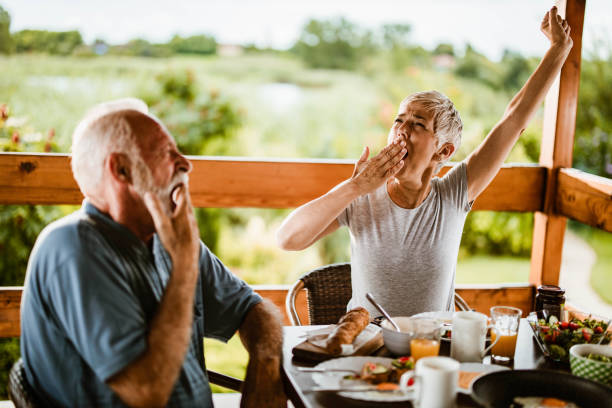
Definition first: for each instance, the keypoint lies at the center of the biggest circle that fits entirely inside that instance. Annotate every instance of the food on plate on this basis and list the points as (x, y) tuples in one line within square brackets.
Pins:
[(466, 378), (599, 357), (387, 386), (538, 402), (376, 373), (399, 366), (349, 326), (559, 336)]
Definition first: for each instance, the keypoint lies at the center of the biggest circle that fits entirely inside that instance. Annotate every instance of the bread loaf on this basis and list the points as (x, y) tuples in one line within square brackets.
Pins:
[(349, 326)]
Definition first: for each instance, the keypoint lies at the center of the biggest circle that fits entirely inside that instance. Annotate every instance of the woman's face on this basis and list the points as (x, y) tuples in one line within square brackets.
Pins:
[(415, 126)]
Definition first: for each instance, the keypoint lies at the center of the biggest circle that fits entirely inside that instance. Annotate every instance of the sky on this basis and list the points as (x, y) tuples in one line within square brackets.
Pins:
[(489, 25)]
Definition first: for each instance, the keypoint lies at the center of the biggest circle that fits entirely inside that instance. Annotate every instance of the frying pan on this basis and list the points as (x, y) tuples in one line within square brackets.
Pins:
[(498, 389)]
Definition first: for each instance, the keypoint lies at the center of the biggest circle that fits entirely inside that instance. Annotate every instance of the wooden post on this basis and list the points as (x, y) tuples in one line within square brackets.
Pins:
[(556, 152)]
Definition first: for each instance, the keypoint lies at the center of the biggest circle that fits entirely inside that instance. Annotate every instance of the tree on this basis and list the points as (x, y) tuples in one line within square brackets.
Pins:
[(593, 139), (335, 44), (444, 49), (396, 36), (6, 43), (516, 70), (52, 42), (197, 44)]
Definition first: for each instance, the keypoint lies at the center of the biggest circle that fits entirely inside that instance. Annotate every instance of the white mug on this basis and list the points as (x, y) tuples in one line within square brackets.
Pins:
[(435, 381), (469, 336)]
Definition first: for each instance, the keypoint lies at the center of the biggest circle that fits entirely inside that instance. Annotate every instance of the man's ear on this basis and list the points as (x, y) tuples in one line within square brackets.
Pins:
[(119, 166), (445, 152)]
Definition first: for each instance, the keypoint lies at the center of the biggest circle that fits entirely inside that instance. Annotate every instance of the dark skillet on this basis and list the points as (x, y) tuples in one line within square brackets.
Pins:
[(498, 389)]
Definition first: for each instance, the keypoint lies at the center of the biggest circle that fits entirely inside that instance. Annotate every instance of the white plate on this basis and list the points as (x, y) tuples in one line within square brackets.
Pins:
[(333, 379), (478, 368)]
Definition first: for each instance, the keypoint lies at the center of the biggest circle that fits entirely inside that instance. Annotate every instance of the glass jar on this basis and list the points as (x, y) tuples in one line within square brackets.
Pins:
[(549, 301)]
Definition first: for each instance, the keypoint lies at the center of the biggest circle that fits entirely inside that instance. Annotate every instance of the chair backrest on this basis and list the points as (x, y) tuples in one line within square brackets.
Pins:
[(19, 390), (328, 293)]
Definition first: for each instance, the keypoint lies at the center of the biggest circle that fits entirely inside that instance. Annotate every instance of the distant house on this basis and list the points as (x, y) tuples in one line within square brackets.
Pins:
[(229, 50), (444, 62)]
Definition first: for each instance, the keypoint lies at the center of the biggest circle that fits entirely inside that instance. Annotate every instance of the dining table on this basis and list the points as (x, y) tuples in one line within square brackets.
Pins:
[(298, 385)]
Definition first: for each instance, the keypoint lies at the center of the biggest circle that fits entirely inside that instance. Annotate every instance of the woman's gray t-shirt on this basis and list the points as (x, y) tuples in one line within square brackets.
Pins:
[(407, 257)]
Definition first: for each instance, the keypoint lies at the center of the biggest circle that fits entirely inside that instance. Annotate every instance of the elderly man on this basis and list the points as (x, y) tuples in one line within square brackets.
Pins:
[(119, 295), (405, 225)]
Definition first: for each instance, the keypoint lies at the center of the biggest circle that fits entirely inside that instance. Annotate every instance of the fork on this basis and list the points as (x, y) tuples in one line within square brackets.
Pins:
[(326, 370)]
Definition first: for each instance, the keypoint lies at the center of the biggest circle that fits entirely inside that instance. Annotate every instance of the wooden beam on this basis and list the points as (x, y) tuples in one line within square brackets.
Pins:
[(585, 198), (556, 152), (234, 182), (10, 303), (479, 297)]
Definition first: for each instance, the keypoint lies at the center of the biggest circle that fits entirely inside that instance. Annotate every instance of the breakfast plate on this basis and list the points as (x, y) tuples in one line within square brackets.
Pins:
[(337, 379)]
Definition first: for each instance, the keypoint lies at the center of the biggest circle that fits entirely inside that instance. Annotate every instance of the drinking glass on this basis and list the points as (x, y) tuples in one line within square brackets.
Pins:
[(425, 337), (505, 328)]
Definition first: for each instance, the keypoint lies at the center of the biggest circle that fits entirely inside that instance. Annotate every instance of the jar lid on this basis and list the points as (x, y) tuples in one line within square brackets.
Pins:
[(551, 290)]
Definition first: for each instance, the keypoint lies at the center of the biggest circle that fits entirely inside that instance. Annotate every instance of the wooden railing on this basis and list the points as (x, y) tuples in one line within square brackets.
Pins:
[(230, 182)]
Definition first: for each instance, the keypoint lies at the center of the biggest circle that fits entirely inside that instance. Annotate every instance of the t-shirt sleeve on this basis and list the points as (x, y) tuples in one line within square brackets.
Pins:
[(227, 298), (454, 187), (97, 311), (343, 217)]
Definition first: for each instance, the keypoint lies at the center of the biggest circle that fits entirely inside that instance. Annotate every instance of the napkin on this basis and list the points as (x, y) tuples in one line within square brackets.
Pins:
[(318, 338)]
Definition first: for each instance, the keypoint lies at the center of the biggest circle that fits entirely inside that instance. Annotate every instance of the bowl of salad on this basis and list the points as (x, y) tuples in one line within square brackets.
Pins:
[(557, 337), (592, 361)]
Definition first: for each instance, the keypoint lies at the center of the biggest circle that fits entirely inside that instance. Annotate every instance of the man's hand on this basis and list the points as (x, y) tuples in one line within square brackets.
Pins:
[(556, 29), (178, 232), (370, 174)]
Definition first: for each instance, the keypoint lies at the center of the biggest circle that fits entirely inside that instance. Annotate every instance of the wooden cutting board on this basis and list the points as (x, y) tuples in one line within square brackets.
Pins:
[(308, 351)]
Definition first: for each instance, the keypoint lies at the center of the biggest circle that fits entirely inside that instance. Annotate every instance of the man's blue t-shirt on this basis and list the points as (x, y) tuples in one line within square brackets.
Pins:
[(92, 289)]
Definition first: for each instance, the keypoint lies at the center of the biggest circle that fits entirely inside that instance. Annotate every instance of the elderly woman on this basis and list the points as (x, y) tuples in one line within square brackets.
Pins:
[(405, 224)]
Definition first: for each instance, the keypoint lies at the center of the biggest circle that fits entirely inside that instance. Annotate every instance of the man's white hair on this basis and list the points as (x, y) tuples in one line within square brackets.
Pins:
[(447, 122), (103, 130)]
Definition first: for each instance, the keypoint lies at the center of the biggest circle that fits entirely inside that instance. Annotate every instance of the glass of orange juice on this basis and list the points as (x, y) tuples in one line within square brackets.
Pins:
[(425, 340), (505, 326)]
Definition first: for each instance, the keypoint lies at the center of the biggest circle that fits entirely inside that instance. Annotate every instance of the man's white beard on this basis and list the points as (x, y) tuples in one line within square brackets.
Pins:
[(143, 183)]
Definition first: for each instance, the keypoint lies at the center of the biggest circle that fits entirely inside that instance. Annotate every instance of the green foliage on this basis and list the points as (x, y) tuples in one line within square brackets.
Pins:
[(202, 122), (476, 66), (515, 71), (9, 353), (497, 233), (197, 44), (141, 48), (593, 139), (334, 44), (52, 42), (6, 43), (444, 49)]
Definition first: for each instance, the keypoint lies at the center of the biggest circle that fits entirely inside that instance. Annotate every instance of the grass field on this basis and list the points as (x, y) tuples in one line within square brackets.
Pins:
[(601, 274)]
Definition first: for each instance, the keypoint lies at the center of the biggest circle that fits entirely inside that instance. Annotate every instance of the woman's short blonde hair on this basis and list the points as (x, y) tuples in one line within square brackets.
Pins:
[(447, 122)]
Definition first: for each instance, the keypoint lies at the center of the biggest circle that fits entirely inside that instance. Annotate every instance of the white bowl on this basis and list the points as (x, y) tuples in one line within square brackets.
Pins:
[(591, 369), (396, 342)]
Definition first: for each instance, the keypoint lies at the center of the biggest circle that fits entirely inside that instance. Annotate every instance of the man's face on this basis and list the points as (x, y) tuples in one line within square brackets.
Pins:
[(160, 169), (415, 126)]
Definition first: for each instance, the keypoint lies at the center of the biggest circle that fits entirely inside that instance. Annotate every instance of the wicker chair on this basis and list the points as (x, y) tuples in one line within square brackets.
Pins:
[(329, 291), (23, 396)]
